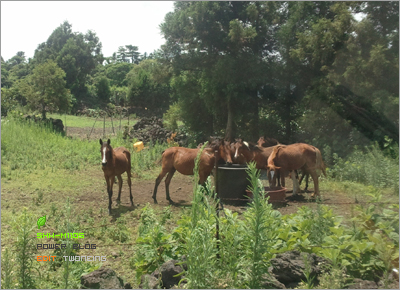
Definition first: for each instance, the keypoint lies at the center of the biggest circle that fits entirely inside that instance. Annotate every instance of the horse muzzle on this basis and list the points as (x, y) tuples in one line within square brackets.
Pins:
[(104, 163)]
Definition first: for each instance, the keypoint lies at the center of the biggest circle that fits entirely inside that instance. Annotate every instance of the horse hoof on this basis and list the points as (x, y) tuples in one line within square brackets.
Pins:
[(155, 201)]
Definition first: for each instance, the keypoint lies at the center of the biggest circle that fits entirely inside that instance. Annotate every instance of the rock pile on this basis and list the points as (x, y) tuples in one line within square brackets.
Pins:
[(152, 130)]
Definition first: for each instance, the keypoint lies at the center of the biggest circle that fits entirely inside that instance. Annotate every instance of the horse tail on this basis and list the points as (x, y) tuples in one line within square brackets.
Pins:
[(158, 161), (271, 158), (319, 164)]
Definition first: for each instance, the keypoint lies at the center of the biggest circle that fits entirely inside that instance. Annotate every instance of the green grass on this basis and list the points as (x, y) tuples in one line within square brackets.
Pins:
[(83, 122), (27, 147)]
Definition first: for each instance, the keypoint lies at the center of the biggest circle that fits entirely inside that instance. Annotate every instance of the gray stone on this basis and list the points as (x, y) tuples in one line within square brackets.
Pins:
[(149, 282), (104, 278), (288, 268)]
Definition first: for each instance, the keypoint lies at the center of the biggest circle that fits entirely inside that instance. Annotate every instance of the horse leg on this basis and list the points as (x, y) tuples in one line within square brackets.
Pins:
[(314, 176), (283, 180), (158, 181), (307, 178), (112, 179), (296, 187), (167, 182), (130, 185), (278, 176), (119, 188)]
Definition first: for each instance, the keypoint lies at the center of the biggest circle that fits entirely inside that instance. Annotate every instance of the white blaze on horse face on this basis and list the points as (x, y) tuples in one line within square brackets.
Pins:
[(236, 153), (272, 173), (104, 155), (247, 144)]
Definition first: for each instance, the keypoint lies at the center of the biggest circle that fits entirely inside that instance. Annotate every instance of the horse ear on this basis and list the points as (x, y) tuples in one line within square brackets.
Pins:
[(101, 142), (108, 141)]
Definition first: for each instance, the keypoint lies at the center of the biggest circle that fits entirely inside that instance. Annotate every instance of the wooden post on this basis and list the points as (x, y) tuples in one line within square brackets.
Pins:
[(112, 124), (104, 126)]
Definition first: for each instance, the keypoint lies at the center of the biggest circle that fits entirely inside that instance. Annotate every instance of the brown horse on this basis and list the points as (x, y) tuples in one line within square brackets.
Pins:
[(267, 142), (297, 156), (251, 152), (182, 160), (114, 163)]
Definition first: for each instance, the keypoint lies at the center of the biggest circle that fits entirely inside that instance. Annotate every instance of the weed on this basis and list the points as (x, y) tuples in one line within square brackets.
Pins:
[(7, 273), (24, 226)]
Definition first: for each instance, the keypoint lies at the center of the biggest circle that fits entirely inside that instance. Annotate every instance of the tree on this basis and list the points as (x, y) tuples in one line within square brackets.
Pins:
[(132, 52), (121, 54), (148, 84), (228, 42), (45, 89), (77, 54), (103, 89)]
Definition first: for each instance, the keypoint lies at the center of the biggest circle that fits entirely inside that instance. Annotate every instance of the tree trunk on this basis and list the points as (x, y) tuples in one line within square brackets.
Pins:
[(288, 101), (229, 124), (43, 112), (254, 121)]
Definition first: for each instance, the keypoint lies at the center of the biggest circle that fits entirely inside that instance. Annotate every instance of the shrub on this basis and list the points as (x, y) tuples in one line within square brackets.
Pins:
[(371, 168)]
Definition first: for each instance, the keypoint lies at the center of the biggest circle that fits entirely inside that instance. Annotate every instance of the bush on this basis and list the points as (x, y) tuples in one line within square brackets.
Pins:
[(371, 168)]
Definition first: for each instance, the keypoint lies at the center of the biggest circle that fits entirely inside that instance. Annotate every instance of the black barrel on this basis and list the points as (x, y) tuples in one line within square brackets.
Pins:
[(232, 183)]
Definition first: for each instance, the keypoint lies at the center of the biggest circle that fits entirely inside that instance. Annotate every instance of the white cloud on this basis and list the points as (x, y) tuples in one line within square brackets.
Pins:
[(24, 25)]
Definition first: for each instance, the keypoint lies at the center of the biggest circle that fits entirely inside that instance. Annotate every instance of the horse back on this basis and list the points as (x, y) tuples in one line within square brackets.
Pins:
[(122, 159), (294, 156)]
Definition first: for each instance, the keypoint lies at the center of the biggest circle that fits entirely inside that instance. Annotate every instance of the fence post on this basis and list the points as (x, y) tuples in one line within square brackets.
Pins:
[(112, 124), (104, 126)]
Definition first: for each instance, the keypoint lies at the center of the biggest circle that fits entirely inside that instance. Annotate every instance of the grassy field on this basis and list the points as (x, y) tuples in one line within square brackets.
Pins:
[(44, 173)]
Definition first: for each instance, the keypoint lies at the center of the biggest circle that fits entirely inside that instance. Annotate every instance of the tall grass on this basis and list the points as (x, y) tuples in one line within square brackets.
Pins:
[(371, 167), (28, 147), (24, 226), (201, 243)]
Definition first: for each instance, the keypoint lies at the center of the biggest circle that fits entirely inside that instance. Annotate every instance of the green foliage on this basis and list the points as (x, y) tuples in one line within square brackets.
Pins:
[(262, 224), (7, 273), (172, 116), (24, 226), (45, 89), (371, 167), (103, 89), (148, 85), (28, 146), (153, 246), (120, 233), (200, 242)]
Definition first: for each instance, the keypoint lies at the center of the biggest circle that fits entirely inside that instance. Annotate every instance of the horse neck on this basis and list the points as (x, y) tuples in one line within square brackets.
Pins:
[(249, 155), (112, 161)]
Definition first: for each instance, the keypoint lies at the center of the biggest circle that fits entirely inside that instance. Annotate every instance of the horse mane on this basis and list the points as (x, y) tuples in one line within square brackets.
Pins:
[(254, 147)]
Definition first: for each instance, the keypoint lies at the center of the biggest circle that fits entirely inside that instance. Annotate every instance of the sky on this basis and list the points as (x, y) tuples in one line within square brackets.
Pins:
[(26, 24)]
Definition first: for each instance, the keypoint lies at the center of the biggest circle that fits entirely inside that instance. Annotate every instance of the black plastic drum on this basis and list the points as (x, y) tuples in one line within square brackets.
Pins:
[(232, 183)]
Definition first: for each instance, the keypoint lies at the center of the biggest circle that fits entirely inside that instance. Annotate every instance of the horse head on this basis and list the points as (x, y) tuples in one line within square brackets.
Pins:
[(241, 148), (223, 148), (267, 142), (106, 152)]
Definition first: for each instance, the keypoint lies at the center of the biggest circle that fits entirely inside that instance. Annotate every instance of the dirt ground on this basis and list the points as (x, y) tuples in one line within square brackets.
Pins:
[(93, 134), (181, 189)]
